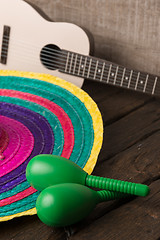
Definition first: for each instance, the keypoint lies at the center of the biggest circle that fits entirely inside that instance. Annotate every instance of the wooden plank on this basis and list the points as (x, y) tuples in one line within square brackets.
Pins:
[(139, 163), (99, 91), (131, 129), (136, 220), (114, 102), (121, 104), (28, 228)]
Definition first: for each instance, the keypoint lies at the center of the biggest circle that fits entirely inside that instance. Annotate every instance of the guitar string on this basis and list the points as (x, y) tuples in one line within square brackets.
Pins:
[(100, 63), (49, 50), (92, 64), (57, 65), (80, 55), (105, 78), (7, 41), (103, 61), (57, 51), (124, 86)]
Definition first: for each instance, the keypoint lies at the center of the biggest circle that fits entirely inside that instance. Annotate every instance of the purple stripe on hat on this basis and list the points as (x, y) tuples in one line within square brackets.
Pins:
[(43, 135)]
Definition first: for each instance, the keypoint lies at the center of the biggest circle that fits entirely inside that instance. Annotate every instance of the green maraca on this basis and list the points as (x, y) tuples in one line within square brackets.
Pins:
[(64, 204), (46, 170)]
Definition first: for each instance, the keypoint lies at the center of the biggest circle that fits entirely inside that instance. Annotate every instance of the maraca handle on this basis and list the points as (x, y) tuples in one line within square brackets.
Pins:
[(117, 185), (105, 195)]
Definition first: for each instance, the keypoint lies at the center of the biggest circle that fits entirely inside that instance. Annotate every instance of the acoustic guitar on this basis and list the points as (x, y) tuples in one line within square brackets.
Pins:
[(29, 42)]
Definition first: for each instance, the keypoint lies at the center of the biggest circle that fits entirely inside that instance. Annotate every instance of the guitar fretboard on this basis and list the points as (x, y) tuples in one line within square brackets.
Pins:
[(103, 71)]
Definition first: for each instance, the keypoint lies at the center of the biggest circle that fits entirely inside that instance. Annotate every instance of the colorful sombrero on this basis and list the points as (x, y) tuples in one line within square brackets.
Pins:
[(41, 114)]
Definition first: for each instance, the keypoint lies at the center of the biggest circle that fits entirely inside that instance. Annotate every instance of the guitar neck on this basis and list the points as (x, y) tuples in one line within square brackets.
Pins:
[(107, 72)]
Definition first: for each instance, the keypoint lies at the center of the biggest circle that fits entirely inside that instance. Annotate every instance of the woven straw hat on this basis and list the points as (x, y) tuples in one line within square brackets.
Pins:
[(41, 114)]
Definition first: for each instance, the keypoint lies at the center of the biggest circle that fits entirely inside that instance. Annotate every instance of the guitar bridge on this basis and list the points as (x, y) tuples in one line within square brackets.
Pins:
[(5, 44)]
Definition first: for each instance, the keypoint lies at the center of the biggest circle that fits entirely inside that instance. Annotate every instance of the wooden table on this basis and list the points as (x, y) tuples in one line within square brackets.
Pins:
[(130, 152)]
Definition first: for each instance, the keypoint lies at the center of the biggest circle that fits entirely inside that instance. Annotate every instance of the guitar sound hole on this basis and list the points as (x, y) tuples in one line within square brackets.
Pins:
[(50, 56)]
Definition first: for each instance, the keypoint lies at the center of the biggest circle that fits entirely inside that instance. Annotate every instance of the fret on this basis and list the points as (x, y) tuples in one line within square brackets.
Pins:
[(90, 63), (102, 71), (155, 82), (92, 69), (67, 62), (115, 75), (79, 65), (119, 76), (137, 80), (110, 67), (99, 70), (133, 80), (157, 87), (70, 68), (146, 81), (75, 62), (95, 72), (84, 67), (123, 76), (141, 81), (150, 85), (87, 69), (126, 78), (130, 77), (112, 74)]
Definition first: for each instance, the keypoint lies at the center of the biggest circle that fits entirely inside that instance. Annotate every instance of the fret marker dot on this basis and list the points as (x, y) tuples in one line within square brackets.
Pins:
[(99, 70), (141, 82), (82, 66), (126, 78), (112, 74)]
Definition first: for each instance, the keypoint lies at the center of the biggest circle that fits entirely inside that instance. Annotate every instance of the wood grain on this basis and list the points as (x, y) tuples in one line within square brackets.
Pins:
[(138, 219)]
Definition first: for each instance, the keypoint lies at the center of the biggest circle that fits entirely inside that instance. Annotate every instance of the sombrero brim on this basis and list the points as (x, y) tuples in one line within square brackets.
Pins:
[(41, 113)]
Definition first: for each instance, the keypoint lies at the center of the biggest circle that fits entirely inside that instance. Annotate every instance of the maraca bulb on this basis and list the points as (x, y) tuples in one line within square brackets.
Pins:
[(46, 170), (65, 204)]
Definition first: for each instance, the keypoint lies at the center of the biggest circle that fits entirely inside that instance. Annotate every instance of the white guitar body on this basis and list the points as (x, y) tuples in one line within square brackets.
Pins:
[(30, 32)]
